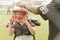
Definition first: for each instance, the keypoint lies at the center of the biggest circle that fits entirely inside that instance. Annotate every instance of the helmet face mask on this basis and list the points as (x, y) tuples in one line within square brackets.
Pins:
[(20, 14)]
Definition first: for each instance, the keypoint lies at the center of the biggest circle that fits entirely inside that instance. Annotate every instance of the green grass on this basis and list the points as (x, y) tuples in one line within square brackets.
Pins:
[(41, 31)]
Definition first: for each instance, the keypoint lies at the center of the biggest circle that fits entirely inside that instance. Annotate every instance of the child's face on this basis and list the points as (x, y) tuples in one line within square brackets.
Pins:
[(19, 16)]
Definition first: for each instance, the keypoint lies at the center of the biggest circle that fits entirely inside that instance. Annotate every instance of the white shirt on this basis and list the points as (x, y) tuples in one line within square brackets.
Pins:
[(23, 37)]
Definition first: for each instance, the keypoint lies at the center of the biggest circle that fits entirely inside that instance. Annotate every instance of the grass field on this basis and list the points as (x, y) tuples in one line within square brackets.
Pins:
[(41, 31)]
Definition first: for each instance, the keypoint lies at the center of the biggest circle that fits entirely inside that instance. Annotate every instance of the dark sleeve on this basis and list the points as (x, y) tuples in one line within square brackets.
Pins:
[(40, 13), (34, 23), (31, 23)]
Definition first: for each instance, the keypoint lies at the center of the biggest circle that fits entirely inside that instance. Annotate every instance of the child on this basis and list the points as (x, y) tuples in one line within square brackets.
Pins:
[(23, 28)]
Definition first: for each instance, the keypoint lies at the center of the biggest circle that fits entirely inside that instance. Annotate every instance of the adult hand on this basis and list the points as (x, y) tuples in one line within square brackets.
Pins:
[(20, 4)]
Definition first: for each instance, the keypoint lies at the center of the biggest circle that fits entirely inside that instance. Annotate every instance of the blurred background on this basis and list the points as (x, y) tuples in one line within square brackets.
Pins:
[(5, 6)]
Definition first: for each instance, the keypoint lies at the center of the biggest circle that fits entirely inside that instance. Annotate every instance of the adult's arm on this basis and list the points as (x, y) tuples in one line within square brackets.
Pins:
[(29, 7)]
